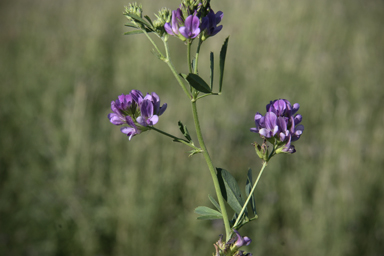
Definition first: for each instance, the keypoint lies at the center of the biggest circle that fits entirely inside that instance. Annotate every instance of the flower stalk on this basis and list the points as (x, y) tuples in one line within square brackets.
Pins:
[(250, 196), (211, 170)]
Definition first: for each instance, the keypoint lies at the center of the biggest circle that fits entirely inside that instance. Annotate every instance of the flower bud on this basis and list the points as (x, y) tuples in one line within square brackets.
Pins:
[(261, 151), (135, 9), (164, 16)]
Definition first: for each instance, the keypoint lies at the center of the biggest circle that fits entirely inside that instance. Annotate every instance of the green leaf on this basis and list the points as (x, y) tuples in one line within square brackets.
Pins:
[(148, 19), (214, 202), (232, 190), (223, 53), (131, 26), (134, 32), (233, 220), (140, 20), (207, 213), (198, 83), (248, 188), (184, 76), (244, 220), (193, 63), (184, 131), (212, 68)]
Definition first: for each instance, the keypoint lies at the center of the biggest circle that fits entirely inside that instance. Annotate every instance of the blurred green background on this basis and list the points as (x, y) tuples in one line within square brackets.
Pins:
[(72, 184)]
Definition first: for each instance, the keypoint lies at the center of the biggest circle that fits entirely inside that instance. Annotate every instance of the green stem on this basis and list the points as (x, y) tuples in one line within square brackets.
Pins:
[(189, 43), (197, 56), (185, 142), (170, 65), (208, 94), (153, 43), (250, 195), (212, 171)]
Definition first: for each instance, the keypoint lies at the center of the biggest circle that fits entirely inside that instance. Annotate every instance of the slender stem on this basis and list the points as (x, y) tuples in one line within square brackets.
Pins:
[(189, 43), (197, 56), (153, 43), (174, 137), (212, 171), (208, 94), (170, 65), (250, 195)]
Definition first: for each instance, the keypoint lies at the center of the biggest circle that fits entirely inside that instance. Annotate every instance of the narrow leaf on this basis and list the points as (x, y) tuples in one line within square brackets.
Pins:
[(193, 63), (233, 194), (233, 220), (221, 184), (140, 20), (148, 19), (207, 213), (223, 54), (130, 25), (214, 202), (184, 76), (209, 217), (244, 220), (198, 83), (134, 32), (212, 69), (248, 188), (184, 131)]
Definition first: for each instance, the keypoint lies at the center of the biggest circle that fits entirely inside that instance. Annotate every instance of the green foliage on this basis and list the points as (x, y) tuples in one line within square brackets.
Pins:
[(248, 188), (184, 130), (230, 190), (223, 54), (207, 213), (198, 83), (72, 184), (214, 202), (212, 69)]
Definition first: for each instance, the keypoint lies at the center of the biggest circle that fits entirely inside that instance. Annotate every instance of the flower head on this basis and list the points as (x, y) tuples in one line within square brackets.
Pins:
[(163, 17), (183, 28), (194, 18), (137, 111), (209, 24), (176, 22), (242, 241), (191, 27), (280, 125), (232, 246)]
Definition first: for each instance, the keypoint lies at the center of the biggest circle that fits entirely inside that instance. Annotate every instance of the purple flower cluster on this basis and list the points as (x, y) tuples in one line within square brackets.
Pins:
[(280, 123), (137, 111), (232, 246), (209, 24), (194, 25), (183, 28)]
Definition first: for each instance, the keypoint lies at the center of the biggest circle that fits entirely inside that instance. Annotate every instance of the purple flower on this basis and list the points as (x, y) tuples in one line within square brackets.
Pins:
[(123, 106), (241, 253), (280, 125), (191, 27), (209, 24), (132, 130), (241, 241), (232, 246), (136, 111), (270, 126), (177, 21), (188, 28)]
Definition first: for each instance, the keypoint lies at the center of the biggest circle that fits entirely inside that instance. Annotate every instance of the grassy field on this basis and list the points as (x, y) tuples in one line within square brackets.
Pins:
[(72, 184)]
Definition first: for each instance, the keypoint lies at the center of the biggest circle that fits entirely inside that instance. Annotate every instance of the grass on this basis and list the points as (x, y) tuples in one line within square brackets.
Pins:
[(72, 184)]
